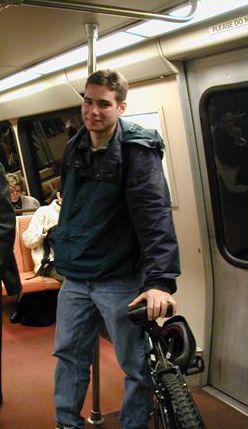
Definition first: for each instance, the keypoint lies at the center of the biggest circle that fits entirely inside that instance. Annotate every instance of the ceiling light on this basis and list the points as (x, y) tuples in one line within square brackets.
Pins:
[(76, 56), (17, 79), (116, 41), (60, 62)]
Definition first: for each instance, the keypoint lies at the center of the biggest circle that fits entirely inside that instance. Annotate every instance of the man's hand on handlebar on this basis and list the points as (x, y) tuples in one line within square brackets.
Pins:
[(157, 303)]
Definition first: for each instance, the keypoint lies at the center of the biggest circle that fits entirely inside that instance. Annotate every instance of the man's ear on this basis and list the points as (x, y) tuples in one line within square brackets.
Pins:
[(122, 107)]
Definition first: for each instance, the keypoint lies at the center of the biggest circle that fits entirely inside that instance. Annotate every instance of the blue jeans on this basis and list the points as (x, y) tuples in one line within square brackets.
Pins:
[(80, 305)]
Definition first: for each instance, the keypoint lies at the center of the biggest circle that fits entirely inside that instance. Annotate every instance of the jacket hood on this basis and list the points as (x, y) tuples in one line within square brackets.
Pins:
[(134, 133)]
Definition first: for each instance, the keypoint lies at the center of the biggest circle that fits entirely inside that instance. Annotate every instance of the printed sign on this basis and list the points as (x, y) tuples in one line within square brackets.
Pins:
[(232, 24)]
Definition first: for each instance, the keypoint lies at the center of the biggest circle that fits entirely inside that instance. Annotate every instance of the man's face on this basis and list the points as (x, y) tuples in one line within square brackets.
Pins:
[(100, 109)]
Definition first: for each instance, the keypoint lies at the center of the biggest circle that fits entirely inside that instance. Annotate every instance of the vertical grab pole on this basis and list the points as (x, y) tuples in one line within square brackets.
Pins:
[(92, 35), (95, 417)]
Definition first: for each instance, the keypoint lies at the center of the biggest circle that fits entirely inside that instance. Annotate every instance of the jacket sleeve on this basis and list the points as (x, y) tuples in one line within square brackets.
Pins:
[(63, 167), (149, 206), (62, 175), (7, 220), (34, 235)]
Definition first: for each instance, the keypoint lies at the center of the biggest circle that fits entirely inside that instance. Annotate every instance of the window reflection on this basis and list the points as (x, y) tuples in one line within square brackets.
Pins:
[(8, 152), (228, 122), (47, 137)]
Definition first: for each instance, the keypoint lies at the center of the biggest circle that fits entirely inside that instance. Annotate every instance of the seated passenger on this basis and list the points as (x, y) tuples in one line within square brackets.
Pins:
[(18, 199), (39, 238)]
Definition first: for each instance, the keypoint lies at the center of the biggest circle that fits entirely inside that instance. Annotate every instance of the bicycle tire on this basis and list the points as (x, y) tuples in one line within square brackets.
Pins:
[(181, 409)]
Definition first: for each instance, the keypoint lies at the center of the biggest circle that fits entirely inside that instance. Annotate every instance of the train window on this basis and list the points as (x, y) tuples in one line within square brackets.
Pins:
[(224, 117), (8, 150), (43, 139)]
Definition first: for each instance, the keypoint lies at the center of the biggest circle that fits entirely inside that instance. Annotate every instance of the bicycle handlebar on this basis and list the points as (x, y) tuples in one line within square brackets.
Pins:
[(138, 314)]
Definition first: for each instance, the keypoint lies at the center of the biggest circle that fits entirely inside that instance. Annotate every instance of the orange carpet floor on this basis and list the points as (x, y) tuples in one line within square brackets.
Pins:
[(28, 377)]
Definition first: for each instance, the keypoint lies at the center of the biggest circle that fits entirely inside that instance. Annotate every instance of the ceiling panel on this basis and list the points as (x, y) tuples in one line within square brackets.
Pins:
[(29, 34)]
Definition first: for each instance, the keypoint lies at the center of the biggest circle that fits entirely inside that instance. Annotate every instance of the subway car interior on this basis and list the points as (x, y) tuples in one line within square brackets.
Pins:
[(186, 63)]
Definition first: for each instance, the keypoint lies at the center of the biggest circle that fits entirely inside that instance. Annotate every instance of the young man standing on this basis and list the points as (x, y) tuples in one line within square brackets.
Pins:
[(116, 246)]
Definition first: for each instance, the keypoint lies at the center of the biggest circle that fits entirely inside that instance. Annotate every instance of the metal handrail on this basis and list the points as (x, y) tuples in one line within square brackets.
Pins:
[(104, 9)]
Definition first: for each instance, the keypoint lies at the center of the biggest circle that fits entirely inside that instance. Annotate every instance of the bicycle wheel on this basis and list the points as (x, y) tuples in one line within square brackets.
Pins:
[(181, 411)]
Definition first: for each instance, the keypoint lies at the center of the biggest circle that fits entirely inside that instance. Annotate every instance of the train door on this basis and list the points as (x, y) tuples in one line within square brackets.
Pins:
[(218, 91)]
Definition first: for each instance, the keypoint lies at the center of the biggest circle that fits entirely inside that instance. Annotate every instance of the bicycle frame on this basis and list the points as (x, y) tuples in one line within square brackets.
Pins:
[(164, 373), (158, 366)]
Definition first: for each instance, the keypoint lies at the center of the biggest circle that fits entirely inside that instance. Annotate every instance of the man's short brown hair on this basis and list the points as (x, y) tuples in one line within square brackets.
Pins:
[(114, 81)]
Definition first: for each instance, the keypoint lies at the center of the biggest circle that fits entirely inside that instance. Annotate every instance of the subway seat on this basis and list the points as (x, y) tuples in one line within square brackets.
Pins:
[(25, 263)]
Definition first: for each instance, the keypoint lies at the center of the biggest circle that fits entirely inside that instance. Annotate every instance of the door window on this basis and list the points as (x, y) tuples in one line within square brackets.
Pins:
[(224, 116)]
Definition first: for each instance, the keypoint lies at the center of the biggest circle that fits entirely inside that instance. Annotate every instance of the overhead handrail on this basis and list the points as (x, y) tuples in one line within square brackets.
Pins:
[(104, 9)]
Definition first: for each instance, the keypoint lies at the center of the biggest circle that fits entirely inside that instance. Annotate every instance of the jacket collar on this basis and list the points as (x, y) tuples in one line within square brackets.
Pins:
[(84, 142)]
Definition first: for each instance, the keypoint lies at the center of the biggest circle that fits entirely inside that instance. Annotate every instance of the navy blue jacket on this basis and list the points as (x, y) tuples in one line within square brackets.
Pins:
[(116, 219)]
